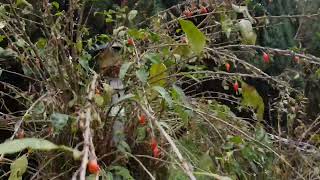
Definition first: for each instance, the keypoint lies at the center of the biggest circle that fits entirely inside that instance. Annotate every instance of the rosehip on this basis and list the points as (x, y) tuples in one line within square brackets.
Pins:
[(236, 86), (93, 167), (266, 57), (188, 13), (203, 10), (154, 143), (130, 42), (228, 67), (156, 152), (142, 119)]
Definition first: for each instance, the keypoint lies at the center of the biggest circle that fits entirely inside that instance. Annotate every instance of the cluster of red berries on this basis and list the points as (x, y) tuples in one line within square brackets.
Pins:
[(188, 13), (154, 144)]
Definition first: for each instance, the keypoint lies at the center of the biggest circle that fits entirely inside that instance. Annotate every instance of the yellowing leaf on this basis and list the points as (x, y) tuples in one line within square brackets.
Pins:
[(18, 168), (251, 98), (158, 74), (196, 39)]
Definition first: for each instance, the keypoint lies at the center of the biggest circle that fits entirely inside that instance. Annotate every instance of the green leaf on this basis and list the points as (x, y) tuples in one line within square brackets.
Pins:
[(55, 4), (142, 75), (164, 94), (124, 69), (84, 61), (141, 133), (179, 95), (251, 98), (196, 38), (99, 100), (59, 121), (41, 43), (22, 3), (18, 168), (158, 73), (132, 14), (153, 57), (226, 25), (122, 171)]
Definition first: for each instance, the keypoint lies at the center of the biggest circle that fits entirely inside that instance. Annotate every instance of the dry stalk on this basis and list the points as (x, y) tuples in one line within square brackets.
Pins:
[(88, 146)]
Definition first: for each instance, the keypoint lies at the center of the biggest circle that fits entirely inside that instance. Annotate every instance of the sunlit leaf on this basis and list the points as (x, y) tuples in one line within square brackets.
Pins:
[(18, 168), (55, 4), (196, 38), (158, 73)]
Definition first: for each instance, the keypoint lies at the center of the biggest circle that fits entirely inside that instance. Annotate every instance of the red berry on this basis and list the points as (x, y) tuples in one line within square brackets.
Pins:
[(156, 152), (130, 42), (93, 167), (154, 143), (228, 67), (203, 10), (236, 86), (188, 13), (142, 119), (266, 57), (297, 59)]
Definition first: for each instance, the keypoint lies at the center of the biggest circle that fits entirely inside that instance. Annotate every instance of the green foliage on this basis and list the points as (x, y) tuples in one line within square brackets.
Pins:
[(251, 98), (14, 146), (121, 172), (196, 38), (157, 75), (18, 168), (59, 121)]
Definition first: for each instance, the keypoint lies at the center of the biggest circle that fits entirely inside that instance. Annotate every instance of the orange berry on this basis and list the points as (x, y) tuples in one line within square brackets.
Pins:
[(228, 67), (93, 167)]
